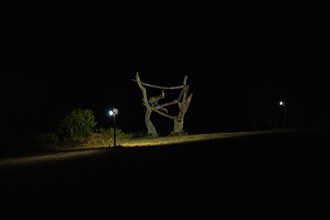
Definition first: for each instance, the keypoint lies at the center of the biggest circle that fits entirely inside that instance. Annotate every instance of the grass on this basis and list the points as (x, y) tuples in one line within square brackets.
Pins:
[(104, 139), (97, 140)]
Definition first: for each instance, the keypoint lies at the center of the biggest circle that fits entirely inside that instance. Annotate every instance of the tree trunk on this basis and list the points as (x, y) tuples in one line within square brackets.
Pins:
[(183, 108), (151, 128), (152, 104), (178, 126)]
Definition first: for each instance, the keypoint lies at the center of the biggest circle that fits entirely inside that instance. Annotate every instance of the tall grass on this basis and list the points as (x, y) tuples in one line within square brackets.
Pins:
[(105, 137)]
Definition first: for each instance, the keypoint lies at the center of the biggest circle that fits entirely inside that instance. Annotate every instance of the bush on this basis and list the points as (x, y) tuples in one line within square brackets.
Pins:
[(108, 133), (77, 124), (138, 134), (49, 139)]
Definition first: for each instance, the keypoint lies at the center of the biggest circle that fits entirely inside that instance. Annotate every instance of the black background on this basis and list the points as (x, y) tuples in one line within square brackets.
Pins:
[(240, 61)]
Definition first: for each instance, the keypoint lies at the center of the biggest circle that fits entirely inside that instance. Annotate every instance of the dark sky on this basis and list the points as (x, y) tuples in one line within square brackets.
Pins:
[(239, 65)]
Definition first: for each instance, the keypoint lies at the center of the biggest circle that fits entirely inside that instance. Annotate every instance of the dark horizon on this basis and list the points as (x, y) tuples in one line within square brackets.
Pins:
[(37, 96), (238, 70)]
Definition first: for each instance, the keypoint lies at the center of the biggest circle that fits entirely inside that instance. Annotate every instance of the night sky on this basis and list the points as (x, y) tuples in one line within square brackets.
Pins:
[(239, 66)]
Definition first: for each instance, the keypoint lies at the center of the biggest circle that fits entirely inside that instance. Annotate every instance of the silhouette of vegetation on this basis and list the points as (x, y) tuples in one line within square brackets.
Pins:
[(77, 124)]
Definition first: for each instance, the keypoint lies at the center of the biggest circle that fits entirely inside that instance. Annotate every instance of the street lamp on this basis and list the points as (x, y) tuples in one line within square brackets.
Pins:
[(113, 113), (284, 107)]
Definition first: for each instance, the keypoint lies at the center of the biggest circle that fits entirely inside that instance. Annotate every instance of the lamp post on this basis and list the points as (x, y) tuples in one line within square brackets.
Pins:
[(284, 107), (113, 113)]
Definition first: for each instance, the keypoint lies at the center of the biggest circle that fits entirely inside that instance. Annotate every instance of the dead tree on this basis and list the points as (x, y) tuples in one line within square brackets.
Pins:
[(151, 128), (183, 104), (152, 104)]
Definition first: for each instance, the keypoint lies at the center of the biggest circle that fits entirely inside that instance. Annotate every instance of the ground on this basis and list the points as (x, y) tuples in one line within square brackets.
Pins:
[(271, 173)]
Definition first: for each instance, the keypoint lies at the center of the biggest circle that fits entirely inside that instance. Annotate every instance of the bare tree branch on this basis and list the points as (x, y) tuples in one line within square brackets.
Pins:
[(151, 128), (144, 92), (183, 102), (167, 104), (185, 80), (160, 87), (164, 114)]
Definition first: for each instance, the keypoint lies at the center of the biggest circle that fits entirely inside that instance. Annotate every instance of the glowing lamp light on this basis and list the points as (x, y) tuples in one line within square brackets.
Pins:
[(113, 113), (284, 108)]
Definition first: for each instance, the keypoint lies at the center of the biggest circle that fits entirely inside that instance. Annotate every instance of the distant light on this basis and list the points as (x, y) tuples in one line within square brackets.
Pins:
[(284, 108), (113, 113)]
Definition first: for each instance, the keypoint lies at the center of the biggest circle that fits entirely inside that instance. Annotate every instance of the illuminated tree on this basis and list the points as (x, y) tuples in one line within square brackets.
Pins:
[(152, 105)]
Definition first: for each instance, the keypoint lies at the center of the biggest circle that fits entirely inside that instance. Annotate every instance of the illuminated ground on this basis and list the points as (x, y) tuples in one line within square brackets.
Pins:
[(233, 150), (287, 167)]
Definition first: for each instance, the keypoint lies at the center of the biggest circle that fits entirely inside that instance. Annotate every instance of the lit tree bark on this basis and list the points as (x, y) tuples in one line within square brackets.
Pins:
[(183, 108), (150, 127), (151, 104)]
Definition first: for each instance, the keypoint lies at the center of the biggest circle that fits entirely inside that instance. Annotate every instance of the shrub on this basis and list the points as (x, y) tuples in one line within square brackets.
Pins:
[(108, 133), (76, 124), (48, 139)]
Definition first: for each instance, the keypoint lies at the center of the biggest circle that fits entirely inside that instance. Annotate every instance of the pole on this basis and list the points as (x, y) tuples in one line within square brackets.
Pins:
[(114, 130), (284, 109), (284, 117)]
